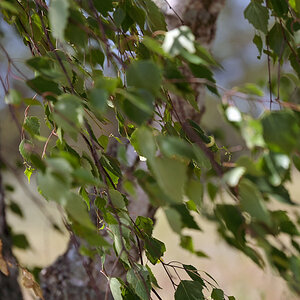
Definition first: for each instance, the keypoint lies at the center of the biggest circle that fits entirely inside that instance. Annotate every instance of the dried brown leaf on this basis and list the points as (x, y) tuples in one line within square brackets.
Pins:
[(29, 283), (3, 263)]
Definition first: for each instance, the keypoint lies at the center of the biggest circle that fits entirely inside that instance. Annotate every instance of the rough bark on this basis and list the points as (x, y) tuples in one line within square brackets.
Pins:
[(75, 277), (201, 16), (9, 286)]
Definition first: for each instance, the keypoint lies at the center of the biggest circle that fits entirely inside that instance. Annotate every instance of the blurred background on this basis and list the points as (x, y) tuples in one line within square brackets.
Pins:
[(39, 244)]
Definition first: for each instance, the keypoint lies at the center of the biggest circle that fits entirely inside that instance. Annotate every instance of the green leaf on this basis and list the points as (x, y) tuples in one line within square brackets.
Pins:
[(95, 57), (28, 172), (58, 17), (32, 125), (281, 131), (145, 225), (186, 218), (189, 290), (278, 192), (33, 102), (103, 141), (138, 105), (83, 193), (284, 223), (194, 190), (25, 149), (277, 167), (76, 207), (139, 279), (68, 113), (100, 203), (155, 18), (252, 167), (252, 201), (103, 6), (174, 219), (119, 16), (9, 6), (186, 242), (217, 294), (55, 182), (276, 39), (52, 187), (117, 199), (155, 249), (73, 32), (111, 164), (84, 176), (153, 45), (174, 146), (45, 66), (143, 142), (152, 277), (179, 41), (115, 288), (108, 84), (257, 15), (91, 235), (234, 220), (41, 85), (98, 100), (280, 7), (13, 97), (294, 60), (193, 273), (251, 89), (202, 71), (252, 133), (171, 177), (201, 158), (259, 44), (144, 74), (296, 161), (137, 14)]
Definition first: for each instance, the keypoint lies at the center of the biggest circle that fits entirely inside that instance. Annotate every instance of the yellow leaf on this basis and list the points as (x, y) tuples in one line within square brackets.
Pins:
[(38, 291), (3, 263), (27, 279)]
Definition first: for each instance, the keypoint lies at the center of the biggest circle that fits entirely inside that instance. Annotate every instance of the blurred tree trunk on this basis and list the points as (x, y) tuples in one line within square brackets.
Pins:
[(201, 17), (75, 277), (9, 286)]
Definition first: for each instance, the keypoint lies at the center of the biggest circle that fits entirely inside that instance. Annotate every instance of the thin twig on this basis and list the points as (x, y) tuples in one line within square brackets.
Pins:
[(174, 11)]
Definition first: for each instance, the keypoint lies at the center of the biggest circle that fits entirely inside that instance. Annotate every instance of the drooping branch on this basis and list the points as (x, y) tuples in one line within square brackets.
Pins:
[(68, 277)]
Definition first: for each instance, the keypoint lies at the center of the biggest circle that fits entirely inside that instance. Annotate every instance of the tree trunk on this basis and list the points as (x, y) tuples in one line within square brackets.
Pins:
[(9, 286), (75, 277), (201, 17)]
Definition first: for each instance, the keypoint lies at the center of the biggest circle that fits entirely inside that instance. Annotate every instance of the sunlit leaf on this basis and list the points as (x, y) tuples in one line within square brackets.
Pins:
[(3, 263)]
